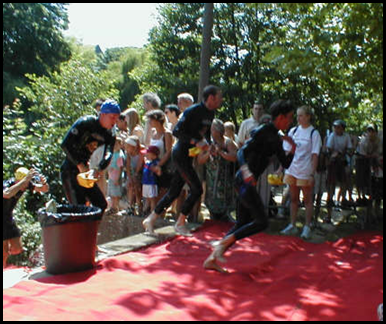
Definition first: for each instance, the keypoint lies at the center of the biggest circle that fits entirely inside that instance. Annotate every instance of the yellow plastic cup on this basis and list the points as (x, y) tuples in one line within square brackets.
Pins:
[(194, 151), (275, 180), (21, 173), (86, 180)]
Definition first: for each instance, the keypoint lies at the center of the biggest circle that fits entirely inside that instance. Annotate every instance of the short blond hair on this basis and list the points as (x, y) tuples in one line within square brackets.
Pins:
[(186, 96), (308, 111)]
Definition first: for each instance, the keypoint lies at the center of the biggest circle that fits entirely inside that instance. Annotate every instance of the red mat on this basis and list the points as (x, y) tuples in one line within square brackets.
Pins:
[(272, 278)]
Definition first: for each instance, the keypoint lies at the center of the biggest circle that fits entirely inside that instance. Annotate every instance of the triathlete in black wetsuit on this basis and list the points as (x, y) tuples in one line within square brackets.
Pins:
[(254, 158), (82, 139), (191, 130)]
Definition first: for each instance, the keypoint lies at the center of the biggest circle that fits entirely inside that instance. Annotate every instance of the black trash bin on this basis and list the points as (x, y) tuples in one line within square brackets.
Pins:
[(69, 237)]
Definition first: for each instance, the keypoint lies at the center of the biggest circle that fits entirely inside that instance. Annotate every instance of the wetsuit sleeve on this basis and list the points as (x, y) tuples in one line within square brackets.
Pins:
[(284, 158), (108, 153)]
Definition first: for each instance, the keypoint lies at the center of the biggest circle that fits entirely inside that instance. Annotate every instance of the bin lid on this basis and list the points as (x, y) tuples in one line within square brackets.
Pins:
[(69, 213)]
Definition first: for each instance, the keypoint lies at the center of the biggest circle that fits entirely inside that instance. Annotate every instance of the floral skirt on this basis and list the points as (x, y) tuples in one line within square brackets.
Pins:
[(220, 195)]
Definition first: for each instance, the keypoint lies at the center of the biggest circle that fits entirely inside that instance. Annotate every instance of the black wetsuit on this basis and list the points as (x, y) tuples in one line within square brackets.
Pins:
[(193, 126), (84, 131), (10, 230), (256, 152)]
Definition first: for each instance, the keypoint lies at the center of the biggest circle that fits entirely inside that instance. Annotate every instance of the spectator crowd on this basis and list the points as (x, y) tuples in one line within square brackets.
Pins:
[(335, 164)]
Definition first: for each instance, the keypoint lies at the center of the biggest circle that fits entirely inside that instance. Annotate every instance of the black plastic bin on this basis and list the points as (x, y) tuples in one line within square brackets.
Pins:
[(69, 237)]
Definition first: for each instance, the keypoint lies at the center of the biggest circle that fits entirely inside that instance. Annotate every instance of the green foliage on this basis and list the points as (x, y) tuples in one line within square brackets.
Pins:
[(32, 42), (335, 52), (122, 66), (173, 64), (328, 55)]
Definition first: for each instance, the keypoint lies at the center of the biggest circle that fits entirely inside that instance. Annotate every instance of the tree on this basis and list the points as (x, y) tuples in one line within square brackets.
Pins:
[(120, 68), (32, 42), (335, 51), (174, 53), (205, 49), (322, 55)]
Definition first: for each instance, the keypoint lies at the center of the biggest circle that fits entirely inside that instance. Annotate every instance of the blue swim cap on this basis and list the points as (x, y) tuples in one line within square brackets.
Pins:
[(110, 107)]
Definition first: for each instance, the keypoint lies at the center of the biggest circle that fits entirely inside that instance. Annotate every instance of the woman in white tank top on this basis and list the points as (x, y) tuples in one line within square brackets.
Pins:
[(163, 139)]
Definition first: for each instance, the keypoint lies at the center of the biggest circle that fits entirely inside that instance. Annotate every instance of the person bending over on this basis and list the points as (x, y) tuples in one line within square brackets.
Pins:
[(78, 149)]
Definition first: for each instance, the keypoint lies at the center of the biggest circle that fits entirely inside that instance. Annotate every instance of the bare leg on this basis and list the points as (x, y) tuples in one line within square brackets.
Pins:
[(294, 192), (307, 192)]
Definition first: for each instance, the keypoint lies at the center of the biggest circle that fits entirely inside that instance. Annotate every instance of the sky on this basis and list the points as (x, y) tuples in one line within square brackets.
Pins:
[(111, 24)]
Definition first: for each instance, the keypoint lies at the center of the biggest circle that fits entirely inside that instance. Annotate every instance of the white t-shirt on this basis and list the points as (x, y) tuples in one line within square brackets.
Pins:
[(245, 130), (339, 143), (301, 166), (96, 157)]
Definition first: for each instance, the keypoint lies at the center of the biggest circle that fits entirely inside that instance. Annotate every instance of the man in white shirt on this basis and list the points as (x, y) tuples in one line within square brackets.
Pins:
[(250, 123), (339, 142), (338, 145)]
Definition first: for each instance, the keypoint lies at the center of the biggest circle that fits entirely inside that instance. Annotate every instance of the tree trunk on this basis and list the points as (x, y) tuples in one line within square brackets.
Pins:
[(205, 49)]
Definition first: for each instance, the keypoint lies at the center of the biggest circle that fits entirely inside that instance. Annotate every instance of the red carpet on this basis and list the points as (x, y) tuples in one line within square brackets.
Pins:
[(272, 278)]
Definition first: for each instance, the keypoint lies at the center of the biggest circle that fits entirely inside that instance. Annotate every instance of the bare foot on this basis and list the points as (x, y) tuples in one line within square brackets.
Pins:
[(211, 264), (219, 250)]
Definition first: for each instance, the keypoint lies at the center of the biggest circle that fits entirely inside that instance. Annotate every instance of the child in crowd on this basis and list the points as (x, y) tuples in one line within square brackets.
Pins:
[(230, 131), (134, 167), (114, 190), (149, 177)]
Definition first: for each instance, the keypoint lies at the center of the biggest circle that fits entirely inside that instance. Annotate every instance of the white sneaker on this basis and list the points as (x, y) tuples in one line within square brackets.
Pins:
[(148, 225), (380, 312), (306, 233), (290, 230)]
